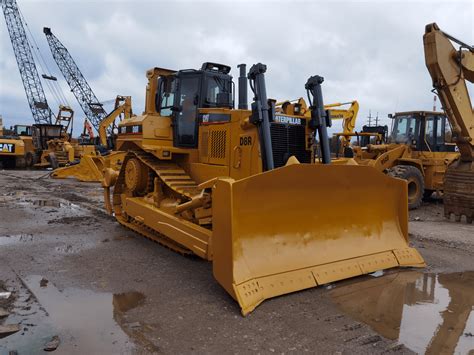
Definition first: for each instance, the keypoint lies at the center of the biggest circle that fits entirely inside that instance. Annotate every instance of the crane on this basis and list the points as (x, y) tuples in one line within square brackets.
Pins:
[(40, 109), (88, 101)]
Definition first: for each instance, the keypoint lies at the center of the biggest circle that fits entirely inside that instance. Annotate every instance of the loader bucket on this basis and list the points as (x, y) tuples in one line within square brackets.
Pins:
[(304, 225), (90, 167)]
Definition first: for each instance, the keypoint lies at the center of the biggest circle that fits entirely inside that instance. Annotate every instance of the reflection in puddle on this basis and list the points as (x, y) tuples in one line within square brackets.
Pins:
[(124, 302), (54, 203), (47, 203), (85, 321), (15, 239), (432, 313)]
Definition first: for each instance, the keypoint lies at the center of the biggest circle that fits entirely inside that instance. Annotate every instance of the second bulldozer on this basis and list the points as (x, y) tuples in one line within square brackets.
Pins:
[(90, 167), (238, 187)]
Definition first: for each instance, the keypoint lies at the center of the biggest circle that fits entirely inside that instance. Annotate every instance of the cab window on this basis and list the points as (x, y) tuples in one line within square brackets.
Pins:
[(217, 92), (429, 131), (165, 97), (22, 130), (405, 129)]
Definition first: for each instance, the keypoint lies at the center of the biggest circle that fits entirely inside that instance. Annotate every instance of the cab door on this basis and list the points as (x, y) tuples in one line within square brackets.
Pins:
[(185, 118)]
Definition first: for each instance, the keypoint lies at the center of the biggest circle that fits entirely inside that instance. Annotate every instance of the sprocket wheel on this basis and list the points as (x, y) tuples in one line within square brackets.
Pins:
[(136, 176)]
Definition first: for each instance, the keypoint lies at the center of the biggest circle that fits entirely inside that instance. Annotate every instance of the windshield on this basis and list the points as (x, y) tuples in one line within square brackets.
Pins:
[(22, 130), (405, 129), (217, 92)]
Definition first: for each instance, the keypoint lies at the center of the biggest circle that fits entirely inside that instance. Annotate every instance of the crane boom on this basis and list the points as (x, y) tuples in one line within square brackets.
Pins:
[(89, 103), (40, 109)]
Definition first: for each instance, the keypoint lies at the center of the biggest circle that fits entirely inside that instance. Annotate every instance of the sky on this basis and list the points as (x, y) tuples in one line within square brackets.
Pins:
[(370, 51)]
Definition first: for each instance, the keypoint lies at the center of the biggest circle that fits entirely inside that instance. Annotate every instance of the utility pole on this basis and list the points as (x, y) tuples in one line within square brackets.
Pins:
[(370, 118)]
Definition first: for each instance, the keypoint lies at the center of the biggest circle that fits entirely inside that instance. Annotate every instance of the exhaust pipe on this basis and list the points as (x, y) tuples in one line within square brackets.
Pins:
[(261, 110), (243, 101), (319, 119)]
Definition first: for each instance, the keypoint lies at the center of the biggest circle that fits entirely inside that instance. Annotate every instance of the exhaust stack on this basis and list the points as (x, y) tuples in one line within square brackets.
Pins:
[(243, 101)]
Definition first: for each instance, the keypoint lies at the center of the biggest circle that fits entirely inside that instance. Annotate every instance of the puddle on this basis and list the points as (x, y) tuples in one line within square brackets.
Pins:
[(73, 249), (47, 203), (428, 313), (86, 322), (124, 302), (54, 203), (26, 201), (15, 239)]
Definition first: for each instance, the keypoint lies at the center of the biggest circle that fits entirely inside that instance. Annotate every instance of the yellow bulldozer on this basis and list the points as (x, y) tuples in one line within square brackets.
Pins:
[(90, 167), (450, 68), (241, 188)]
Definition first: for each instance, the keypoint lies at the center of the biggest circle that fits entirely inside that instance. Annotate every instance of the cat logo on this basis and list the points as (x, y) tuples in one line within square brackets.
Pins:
[(287, 119), (7, 148)]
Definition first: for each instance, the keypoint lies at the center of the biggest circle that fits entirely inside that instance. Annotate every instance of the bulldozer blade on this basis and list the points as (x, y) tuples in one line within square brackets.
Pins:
[(305, 225), (91, 167)]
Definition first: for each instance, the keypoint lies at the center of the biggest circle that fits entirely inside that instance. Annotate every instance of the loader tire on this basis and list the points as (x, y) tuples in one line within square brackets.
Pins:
[(9, 163), (53, 161), (416, 183), (29, 159)]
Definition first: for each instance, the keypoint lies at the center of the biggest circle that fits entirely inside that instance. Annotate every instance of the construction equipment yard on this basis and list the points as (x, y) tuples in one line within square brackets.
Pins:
[(215, 207), (100, 288)]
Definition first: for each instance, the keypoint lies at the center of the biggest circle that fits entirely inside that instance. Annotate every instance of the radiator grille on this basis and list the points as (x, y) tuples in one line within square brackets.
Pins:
[(288, 140), (218, 140)]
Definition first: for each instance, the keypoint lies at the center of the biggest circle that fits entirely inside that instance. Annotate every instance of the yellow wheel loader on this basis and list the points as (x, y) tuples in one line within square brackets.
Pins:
[(450, 68), (240, 188), (419, 150), (90, 167)]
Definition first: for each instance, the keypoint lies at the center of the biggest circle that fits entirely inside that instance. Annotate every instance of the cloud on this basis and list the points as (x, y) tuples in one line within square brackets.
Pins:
[(369, 51)]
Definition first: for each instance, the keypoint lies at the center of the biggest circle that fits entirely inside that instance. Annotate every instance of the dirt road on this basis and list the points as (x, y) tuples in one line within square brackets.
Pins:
[(76, 274)]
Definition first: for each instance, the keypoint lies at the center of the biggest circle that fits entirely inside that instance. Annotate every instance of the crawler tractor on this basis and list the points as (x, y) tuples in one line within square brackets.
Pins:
[(240, 188)]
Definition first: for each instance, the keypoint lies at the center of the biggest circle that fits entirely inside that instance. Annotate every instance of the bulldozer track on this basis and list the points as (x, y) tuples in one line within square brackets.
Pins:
[(150, 234), (172, 176), (459, 194)]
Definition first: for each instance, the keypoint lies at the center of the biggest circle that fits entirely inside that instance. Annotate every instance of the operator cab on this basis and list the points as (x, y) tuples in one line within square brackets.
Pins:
[(425, 131), (21, 130), (42, 133), (181, 94)]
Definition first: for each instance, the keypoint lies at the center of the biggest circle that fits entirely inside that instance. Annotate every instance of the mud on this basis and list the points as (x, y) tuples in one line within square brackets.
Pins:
[(111, 291)]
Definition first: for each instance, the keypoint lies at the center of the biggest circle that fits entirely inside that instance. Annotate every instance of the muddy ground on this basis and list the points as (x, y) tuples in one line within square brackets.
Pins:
[(83, 284)]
